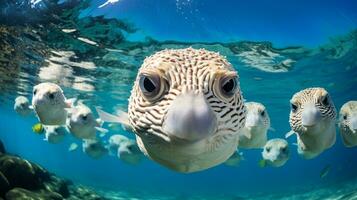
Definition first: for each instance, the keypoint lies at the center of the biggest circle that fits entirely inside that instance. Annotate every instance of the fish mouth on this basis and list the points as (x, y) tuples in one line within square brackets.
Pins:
[(253, 127), (189, 119), (279, 157)]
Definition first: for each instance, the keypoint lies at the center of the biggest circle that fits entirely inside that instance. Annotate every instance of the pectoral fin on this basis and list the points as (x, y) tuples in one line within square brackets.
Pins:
[(72, 147), (247, 134), (290, 133), (121, 118), (70, 102), (101, 130), (271, 129)]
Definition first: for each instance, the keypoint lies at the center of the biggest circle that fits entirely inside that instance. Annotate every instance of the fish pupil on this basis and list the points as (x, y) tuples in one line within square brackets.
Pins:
[(293, 107), (325, 101), (51, 96), (268, 149), (262, 113), (283, 149), (229, 86), (149, 85)]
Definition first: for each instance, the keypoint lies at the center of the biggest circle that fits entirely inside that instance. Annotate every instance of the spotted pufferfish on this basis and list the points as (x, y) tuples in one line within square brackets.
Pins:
[(348, 123), (313, 119), (186, 109)]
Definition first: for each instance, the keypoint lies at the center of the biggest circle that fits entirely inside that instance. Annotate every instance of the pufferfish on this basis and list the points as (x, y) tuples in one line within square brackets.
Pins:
[(275, 153), (186, 109), (50, 104), (82, 123), (313, 118), (22, 106), (348, 123), (257, 123)]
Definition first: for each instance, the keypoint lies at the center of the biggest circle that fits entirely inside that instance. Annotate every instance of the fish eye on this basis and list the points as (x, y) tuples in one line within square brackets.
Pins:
[(325, 100), (228, 86), (344, 117), (283, 149), (262, 113), (148, 85), (84, 117), (151, 86), (51, 95), (130, 148), (268, 149), (294, 107)]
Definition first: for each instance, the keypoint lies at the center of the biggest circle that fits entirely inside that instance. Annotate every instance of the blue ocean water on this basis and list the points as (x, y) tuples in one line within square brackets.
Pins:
[(319, 37)]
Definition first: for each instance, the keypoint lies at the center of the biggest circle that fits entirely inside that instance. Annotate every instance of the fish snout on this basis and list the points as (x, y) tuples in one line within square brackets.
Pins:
[(311, 116), (38, 101), (353, 125), (40, 98), (190, 118), (274, 156), (252, 120)]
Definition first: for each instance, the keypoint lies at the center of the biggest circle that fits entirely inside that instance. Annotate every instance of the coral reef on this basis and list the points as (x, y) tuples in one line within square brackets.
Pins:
[(22, 179)]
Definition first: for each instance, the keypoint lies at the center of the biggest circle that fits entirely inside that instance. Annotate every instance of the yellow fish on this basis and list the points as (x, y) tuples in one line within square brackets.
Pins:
[(38, 128), (262, 163)]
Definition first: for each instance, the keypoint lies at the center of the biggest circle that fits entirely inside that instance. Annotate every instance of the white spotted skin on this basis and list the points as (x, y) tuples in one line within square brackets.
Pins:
[(276, 152), (318, 109), (81, 122), (55, 134), (187, 72), (22, 106), (348, 123), (49, 104), (256, 126)]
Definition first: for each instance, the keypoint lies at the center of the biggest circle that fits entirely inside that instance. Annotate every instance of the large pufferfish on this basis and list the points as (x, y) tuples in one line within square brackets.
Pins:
[(186, 109)]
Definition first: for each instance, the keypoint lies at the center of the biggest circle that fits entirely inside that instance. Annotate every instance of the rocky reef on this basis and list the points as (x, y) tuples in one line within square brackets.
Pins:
[(22, 179)]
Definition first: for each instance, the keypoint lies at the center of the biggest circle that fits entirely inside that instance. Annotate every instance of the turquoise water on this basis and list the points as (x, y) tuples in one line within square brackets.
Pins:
[(37, 49)]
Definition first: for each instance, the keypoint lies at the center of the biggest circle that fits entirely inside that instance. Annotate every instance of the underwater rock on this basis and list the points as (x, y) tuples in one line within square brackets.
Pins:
[(23, 194), (22, 179), (4, 185), (57, 185), (22, 173), (2, 148)]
